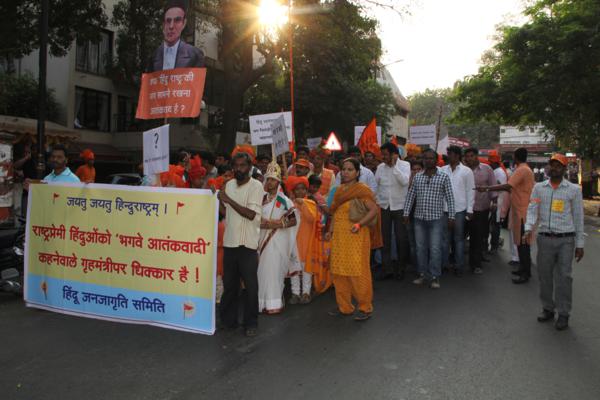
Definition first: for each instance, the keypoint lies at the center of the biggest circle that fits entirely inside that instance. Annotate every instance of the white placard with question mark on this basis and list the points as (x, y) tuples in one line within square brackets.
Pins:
[(156, 150)]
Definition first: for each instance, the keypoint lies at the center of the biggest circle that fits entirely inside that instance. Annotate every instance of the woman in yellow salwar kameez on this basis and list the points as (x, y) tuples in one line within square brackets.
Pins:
[(351, 244)]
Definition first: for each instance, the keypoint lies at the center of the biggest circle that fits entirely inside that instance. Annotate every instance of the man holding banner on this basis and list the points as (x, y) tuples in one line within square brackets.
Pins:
[(241, 202)]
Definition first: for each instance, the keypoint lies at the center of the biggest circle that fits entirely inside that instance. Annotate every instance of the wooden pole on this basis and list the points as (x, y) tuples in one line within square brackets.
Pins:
[(438, 127), (43, 58), (291, 44)]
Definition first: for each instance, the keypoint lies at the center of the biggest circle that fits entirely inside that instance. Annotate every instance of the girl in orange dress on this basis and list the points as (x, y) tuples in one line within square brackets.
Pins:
[(307, 254)]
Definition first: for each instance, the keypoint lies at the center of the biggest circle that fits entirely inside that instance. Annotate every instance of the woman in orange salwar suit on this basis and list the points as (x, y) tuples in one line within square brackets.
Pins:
[(351, 244)]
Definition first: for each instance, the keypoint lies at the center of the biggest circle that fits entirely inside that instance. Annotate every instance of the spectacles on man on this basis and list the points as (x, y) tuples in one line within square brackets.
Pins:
[(176, 20)]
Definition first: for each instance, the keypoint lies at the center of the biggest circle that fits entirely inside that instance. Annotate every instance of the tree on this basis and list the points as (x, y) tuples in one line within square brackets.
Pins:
[(19, 97), (425, 109), (333, 94), (240, 35), (544, 71), (139, 33), (67, 20)]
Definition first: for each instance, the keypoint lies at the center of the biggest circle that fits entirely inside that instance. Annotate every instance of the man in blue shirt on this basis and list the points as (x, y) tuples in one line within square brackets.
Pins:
[(60, 173)]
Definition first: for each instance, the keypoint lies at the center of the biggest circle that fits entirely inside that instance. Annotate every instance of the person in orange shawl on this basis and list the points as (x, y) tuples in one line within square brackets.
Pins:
[(306, 257), (87, 172), (173, 177), (351, 244), (318, 157), (196, 172)]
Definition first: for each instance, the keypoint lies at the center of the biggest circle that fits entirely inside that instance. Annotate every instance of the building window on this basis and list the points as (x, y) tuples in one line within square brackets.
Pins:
[(532, 130), (92, 110), (125, 118), (94, 57), (502, 130)]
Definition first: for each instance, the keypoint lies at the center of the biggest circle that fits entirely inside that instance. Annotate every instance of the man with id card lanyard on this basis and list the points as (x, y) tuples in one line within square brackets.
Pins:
[(556, 208)]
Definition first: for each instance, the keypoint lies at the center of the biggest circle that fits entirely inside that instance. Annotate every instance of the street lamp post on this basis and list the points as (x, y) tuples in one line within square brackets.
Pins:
[(291, 41), (43, 58)]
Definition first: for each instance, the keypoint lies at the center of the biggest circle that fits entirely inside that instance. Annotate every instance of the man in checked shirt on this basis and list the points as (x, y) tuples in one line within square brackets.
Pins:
[(556, 208), (427, 193)]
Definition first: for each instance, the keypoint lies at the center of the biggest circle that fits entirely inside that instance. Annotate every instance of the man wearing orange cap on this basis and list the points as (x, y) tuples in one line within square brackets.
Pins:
[(302, 167), (503, 197), (87, 173), (556, 208)]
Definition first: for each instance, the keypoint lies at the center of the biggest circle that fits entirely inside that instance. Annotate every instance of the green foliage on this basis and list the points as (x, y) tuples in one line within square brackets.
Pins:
[(547, 70), (67, 20), (334, 80), (425, 109), (139, 33), (19, 97)]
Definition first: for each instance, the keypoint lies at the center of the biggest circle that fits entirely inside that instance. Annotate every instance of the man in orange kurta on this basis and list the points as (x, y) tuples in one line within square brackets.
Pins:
[(87, 173), (520, 184)]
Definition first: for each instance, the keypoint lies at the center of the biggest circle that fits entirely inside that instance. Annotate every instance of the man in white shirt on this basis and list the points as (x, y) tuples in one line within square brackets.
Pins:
[(366, 175), (463, 188), (503, 197), (241, 202), (392, 178)]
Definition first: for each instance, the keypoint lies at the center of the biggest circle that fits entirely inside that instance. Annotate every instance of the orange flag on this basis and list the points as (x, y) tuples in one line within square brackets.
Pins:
[(394, 141), (368, 136)]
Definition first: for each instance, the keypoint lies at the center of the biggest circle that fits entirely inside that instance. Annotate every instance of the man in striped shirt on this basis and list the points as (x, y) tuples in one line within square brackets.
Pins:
[(427, 193), (556, 208)]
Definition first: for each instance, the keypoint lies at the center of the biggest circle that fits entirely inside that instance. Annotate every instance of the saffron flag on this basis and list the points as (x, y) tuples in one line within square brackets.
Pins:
[(368, 136)]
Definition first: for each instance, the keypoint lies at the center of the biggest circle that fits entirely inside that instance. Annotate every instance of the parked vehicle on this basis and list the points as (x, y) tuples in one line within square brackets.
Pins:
[(12, 249), (130, 179)]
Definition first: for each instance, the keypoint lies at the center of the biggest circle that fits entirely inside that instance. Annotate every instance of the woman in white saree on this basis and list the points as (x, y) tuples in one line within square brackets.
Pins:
[(276, 242)]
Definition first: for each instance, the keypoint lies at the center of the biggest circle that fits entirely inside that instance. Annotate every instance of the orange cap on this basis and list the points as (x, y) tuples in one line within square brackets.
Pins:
[(303, 163), (561, 158), (87, 154), (493, 156), (293, 181)]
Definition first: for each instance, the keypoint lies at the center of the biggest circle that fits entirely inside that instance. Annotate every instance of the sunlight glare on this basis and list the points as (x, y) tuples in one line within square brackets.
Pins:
[(272, 14)]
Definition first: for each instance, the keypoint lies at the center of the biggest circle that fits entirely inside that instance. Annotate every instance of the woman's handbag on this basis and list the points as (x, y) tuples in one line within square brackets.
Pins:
[(358, 210)]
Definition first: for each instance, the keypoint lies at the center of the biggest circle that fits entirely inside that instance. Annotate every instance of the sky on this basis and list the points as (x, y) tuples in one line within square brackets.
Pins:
[(441, 41)]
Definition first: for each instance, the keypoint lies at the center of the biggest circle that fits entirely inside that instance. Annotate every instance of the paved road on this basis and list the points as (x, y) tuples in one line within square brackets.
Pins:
[(476, 338)]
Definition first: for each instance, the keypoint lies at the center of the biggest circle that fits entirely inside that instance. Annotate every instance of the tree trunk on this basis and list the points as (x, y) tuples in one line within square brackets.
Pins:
[(233, 108)]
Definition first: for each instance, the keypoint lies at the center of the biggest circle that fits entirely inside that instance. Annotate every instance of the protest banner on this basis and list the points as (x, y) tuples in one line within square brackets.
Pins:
[(156, 150), (242, 138), (260, 127), (123, 253), (358, 130), (313, 143), (423, 135), (280, 137), (174, 93)]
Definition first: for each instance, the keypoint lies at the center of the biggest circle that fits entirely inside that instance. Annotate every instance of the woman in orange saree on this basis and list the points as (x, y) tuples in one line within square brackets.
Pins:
[(351, 244)]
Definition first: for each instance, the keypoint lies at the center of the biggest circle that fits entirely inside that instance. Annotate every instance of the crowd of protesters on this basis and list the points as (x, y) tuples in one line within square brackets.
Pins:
[(339, 221)]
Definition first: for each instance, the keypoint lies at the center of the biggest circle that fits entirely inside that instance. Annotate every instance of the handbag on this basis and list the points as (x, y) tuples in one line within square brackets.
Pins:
[(358, 210)]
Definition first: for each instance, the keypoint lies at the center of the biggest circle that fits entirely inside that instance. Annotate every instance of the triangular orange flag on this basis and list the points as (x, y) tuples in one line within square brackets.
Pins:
[(368, 136), (394, 141)]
